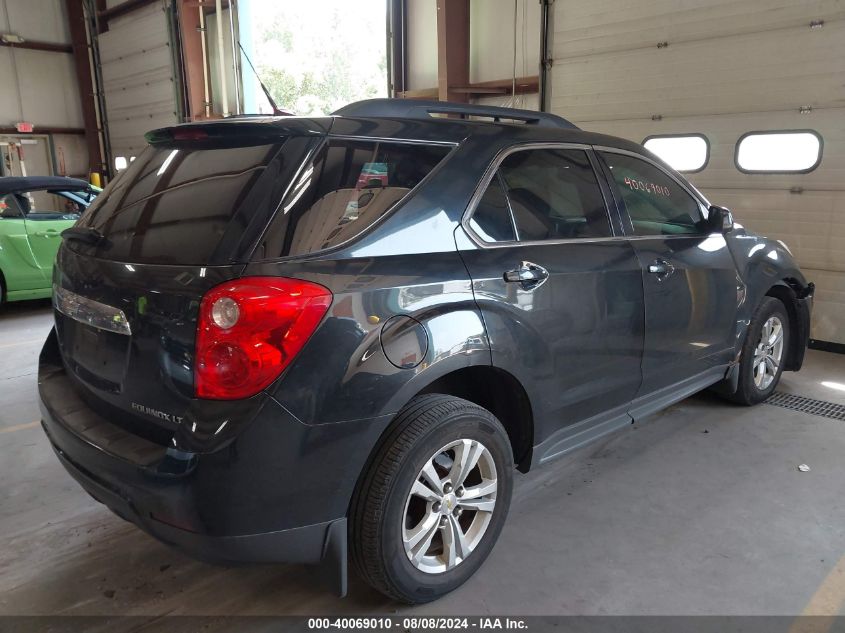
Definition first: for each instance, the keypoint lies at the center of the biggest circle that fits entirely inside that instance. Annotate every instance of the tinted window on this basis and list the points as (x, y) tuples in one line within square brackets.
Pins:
[(347, 187), (554, 194), (174, 205), (779, 151), (491, 220), (656, 203)]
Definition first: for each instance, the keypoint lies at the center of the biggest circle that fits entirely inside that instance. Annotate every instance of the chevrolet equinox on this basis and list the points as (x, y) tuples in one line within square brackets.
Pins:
[(335, 339)]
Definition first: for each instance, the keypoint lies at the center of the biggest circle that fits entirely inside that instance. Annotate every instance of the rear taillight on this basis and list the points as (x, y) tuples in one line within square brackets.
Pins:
[(250, 329)]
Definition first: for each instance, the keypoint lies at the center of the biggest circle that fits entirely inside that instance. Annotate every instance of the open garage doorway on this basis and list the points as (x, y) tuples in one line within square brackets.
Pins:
[(316, 56)]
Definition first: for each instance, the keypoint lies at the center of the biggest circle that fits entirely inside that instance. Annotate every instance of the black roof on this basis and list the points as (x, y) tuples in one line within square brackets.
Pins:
[(17, 184), (424, 109), (409, 119)]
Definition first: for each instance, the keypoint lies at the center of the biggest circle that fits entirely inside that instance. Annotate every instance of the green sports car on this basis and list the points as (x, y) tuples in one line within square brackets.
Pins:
[(33, 213)]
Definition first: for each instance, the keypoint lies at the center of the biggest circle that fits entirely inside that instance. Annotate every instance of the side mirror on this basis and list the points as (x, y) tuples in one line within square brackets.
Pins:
[(720, 219)]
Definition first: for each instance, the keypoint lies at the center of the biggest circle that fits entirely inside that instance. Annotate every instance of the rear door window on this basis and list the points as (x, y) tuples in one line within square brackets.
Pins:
[(348, 186), (491, 220), (554, 195), (551, 194)]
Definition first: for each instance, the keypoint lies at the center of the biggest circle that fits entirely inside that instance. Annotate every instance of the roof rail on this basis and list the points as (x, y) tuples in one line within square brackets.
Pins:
[(422, 109)]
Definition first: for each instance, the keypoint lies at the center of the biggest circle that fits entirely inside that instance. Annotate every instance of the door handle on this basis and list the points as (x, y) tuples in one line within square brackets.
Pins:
[(528, 275), (661, 268), (47, 233)]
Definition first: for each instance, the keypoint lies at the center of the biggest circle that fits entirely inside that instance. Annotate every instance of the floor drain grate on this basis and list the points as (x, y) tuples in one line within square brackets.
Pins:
[(807, 405)]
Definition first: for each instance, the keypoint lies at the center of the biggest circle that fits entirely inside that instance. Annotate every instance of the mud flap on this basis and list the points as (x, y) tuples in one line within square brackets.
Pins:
[(730, 383), (335, 563)]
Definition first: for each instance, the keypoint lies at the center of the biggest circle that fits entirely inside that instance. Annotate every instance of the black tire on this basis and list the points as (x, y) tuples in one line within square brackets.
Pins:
[(748, 393), (378, 513)]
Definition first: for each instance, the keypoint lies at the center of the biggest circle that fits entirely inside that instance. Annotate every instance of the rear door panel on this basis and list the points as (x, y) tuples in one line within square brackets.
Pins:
[(574, 341)]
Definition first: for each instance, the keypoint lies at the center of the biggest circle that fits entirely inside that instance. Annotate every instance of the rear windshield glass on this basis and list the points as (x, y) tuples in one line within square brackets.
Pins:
[(175, 205), (347, 187)]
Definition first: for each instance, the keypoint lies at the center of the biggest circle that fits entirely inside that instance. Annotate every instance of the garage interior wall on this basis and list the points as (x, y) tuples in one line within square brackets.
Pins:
[(40, 87)]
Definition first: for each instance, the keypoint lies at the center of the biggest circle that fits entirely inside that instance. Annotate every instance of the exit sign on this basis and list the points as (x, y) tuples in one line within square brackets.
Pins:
[(24, 126)]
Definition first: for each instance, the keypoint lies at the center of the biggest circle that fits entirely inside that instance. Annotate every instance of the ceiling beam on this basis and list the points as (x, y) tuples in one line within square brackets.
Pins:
[(32, 45), (452, 49), (520, 86), (524, 85), (43, 129)]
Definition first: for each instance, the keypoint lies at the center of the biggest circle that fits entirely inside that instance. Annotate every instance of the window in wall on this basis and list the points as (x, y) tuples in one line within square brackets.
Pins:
[(683, 152), (779, 152), (656, 203), (554, 194)]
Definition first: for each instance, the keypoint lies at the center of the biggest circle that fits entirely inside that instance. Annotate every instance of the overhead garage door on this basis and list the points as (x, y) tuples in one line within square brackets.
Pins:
[(137, 68), (722, 69)]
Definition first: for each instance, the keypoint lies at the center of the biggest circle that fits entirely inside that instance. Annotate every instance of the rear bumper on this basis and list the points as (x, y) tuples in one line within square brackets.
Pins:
[(278, 491), (306, 544)]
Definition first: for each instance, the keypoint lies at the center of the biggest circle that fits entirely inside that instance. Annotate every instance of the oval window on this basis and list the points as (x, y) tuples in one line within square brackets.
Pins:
[(688, 152), (779, 152)]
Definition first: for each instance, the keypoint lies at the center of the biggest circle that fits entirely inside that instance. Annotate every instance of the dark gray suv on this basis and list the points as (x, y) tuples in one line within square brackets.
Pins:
[(278, 338)]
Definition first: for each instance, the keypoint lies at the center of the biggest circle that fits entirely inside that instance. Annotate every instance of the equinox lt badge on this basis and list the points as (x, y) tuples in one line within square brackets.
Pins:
[(161, 415)]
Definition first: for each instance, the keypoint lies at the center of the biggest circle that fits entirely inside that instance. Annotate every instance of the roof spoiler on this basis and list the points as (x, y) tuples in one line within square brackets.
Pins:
[(422, 109)]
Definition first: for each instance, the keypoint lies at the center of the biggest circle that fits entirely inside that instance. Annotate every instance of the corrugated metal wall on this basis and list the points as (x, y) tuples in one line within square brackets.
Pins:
[(138, 77), (728, 68)]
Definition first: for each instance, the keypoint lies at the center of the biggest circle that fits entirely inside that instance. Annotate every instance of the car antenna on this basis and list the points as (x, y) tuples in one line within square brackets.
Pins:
[(276, 109)]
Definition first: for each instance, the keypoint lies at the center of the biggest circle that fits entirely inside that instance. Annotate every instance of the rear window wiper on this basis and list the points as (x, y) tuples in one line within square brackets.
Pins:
[(83, 234)]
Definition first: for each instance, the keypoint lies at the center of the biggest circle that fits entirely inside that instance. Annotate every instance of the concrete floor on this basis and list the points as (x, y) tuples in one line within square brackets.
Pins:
[(701, 510)]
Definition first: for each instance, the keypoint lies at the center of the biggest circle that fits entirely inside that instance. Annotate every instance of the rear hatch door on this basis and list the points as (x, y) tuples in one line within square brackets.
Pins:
[(181, 219)]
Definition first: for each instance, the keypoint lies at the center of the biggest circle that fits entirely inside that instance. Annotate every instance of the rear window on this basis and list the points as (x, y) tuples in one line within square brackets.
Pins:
[(174, 205), (347, 187)]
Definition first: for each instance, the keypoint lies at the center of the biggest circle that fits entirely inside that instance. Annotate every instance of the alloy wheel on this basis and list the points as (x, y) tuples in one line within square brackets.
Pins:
[(768, 353), (450, 506)]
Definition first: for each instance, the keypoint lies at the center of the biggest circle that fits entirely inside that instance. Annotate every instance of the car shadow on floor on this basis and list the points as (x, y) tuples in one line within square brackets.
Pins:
[(23, 309), (100, 565)]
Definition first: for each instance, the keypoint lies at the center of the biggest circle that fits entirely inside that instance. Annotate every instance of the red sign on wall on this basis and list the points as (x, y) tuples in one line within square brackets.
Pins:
[(24, 126)]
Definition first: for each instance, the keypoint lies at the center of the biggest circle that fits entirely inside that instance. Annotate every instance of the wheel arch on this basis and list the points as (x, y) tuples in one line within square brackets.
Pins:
[(788, 291), (485, 386), (499, 392)]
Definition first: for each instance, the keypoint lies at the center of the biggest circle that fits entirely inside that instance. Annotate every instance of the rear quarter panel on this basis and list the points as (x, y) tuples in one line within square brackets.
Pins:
[(363, 362)]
